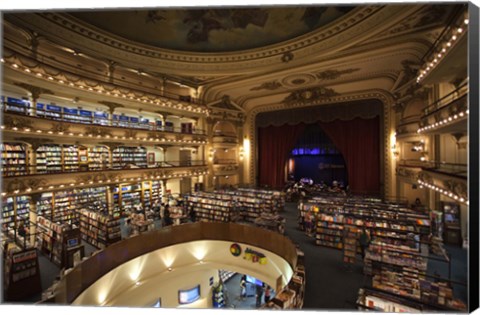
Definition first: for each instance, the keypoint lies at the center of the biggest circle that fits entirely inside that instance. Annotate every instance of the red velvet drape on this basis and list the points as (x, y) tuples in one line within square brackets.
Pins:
[(274, 145), (359, 142)]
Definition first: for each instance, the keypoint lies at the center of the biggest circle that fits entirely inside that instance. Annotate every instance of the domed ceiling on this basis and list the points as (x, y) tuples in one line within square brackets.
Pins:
[(212, 29)]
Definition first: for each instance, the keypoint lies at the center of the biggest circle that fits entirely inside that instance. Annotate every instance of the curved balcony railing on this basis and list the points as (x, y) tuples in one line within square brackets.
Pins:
[(43, 60), (94, 120), (13, 170), (224, 161), (444, 168), (89, 271), (457, 97)]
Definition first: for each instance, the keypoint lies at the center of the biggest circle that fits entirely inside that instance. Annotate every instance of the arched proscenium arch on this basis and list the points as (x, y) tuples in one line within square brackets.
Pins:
[(89, 271), (387, 101)]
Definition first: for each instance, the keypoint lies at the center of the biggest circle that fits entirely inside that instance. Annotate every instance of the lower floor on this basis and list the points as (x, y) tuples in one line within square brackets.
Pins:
[(330, 285)]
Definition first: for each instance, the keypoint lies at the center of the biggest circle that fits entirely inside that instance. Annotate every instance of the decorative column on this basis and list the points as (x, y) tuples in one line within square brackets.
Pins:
[(34, 198), (35, 93), (110, 202)]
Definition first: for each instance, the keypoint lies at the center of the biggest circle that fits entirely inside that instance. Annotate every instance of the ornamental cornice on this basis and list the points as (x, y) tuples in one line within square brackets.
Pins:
[(46, 73), (354, 27)]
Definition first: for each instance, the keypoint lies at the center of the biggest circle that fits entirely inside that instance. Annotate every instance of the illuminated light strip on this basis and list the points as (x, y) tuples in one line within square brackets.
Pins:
[(443, 191), (447, 120), (442, 52), (180, 106)]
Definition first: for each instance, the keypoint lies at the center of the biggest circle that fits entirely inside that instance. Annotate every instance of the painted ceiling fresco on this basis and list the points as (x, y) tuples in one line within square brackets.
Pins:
[(213, 29)]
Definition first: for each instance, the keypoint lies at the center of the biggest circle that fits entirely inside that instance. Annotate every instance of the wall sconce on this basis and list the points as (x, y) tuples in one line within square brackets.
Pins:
[(424, 157), (210, 155), (395, 152)]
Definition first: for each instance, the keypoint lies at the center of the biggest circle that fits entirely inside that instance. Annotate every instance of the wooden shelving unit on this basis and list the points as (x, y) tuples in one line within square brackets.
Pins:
[(21, 273), (14, 159), (99, 230)]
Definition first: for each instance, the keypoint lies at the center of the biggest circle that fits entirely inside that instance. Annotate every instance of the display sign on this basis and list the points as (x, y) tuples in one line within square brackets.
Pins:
[(235, 250), (255, 256), (85, 113), (189, 296), (67, 110)]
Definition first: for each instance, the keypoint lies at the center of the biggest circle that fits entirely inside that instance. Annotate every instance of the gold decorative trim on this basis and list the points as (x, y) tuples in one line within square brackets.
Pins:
[(385, 97)]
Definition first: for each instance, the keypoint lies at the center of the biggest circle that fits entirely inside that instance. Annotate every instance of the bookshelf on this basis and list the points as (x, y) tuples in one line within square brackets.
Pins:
[(210, 207), (8, 213), (122, 156), (329, 230), (350, 244), (70, 158), (54, 240), (64, 207), (94, 198), (22, 273), (49, 159), (45, 205), (14, 159), (99, 230), (98, 158), (15, 210)]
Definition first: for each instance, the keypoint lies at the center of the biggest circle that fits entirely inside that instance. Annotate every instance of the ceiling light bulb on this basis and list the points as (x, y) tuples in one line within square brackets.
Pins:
[(454, 37), (459, 30), (465, 21)]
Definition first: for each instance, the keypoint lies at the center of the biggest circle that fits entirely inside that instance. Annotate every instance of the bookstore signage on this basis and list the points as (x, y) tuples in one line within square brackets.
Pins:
[(255, 256)]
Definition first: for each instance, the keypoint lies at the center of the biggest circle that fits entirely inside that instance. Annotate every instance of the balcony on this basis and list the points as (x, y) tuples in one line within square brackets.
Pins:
[(448, 114), (443, 170), (31, 181), (408, 170), (90, 118), (19, 125)]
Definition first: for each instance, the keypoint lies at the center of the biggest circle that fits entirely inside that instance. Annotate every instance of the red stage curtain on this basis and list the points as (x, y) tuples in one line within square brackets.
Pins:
[(359, 142), (274, 145)]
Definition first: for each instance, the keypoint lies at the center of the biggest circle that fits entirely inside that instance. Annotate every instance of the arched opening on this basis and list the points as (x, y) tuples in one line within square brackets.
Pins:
[(316, 157)]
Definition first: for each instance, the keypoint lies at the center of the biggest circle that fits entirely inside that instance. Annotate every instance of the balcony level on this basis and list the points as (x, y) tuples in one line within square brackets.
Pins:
[(30, 181), (446, 115), (16, 125)]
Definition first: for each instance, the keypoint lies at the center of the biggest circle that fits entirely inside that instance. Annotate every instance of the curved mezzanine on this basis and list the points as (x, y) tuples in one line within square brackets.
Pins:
[(97, 281)]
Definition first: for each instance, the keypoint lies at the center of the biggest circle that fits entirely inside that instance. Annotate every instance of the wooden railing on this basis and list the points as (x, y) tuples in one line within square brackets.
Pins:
[(92, 269)]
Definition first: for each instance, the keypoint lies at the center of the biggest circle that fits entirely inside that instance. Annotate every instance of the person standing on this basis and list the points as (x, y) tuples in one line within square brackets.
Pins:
[(259, 293), (267, 293), (167, 218), (364, 241), (243, 287)]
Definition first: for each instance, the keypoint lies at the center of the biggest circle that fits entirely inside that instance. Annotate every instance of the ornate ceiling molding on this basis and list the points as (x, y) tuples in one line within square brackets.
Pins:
[(342, 33), (302, 96)]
